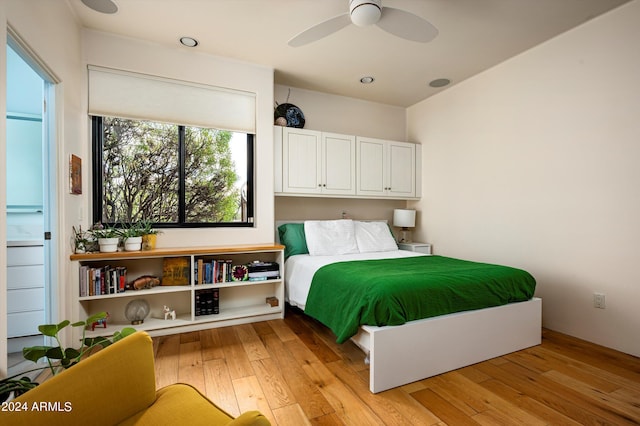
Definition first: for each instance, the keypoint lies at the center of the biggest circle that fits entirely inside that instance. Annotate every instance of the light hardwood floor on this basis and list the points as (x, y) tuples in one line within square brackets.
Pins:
[(293, 372)]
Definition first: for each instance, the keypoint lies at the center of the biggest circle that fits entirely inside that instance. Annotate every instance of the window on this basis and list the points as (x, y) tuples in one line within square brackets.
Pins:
[(173, 175)]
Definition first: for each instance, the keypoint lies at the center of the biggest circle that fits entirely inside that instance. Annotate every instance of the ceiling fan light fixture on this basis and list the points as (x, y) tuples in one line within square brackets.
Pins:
[(365, 12)]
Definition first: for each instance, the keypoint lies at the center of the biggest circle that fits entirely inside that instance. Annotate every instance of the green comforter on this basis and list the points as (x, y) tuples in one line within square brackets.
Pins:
[(346, 295)]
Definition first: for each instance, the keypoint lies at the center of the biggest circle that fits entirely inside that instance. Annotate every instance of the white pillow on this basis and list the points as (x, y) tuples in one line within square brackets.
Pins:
[(374, 236), (330, 237)]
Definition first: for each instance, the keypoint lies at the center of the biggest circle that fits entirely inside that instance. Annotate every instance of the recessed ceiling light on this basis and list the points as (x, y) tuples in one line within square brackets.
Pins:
[(367, 79), (440, 82), (102, 6), (189, 41)]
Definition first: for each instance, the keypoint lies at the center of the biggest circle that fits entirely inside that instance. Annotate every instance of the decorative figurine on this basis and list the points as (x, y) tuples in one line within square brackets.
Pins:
[(102, 322), (145, 281), (169, 313)]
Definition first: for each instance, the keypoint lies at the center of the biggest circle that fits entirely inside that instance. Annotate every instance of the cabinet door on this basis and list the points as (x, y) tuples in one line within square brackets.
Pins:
[(338, 164), (402, 169), (301, 152), (371, 160)]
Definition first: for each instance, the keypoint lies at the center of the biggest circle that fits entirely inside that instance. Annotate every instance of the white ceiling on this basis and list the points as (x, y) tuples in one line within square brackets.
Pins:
[(474, 35)]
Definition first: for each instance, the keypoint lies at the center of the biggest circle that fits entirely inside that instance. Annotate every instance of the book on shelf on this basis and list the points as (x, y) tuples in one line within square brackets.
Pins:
[(98, 281), (214, 271), (260, 271), (175, 271), (207, 302), (258, 266), (256, 276)]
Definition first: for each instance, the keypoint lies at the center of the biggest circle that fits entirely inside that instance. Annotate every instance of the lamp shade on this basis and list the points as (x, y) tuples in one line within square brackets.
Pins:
[(404, 218)]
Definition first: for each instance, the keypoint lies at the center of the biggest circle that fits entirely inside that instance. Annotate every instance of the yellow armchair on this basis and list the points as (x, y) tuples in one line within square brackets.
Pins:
[(116, 386)]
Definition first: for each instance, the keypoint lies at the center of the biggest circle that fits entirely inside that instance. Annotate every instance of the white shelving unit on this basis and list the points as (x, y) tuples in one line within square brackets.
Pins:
[(239, 301)]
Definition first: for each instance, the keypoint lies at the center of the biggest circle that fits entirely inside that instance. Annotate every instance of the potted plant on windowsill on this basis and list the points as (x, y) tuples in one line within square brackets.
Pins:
[(83, 241), (132, 236), (107, 237), (149, 236)]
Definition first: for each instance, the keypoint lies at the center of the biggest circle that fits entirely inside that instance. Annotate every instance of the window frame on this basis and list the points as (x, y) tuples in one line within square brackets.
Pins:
[(97, 142)]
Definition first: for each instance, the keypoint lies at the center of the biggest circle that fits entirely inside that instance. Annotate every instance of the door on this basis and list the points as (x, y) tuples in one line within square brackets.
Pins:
[(402, 169), (301, 162), (371, 167), (30, 189), (338, 164)]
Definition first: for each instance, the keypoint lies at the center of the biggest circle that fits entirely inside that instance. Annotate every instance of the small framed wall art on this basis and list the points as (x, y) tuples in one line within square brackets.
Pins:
[(75, 175)]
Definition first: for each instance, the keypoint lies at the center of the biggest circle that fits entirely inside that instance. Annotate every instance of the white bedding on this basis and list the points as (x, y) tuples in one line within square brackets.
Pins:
[(299, 270)]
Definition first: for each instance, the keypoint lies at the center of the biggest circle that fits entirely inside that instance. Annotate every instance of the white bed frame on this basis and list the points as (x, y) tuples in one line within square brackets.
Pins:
[(402, 354), (419, 349)]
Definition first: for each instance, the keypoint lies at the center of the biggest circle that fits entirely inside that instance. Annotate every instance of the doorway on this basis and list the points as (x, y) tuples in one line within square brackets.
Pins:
[(29, 183)]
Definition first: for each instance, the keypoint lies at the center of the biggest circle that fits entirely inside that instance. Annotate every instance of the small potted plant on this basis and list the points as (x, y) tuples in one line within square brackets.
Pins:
[(150, 235), (83, 241), (132, 236), (107, 237)]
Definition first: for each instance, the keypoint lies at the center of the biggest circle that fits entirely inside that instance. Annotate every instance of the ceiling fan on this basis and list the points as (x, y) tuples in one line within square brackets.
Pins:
[(363, 13)]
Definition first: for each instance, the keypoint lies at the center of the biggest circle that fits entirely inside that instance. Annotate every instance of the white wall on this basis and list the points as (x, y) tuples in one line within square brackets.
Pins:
[(534, 163), (186, 64), (341, 114)]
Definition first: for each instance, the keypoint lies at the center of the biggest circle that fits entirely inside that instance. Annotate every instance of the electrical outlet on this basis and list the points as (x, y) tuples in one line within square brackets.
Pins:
[(598, 300)]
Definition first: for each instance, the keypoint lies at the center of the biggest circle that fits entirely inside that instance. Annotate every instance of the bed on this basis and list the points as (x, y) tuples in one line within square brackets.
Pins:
[(327, 262)]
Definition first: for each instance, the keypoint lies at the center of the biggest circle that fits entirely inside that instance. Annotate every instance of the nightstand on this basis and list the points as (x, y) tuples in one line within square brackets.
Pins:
[(419, 247)]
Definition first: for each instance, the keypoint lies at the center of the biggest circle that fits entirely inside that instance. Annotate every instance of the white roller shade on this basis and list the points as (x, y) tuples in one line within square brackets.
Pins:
[(144, 97)]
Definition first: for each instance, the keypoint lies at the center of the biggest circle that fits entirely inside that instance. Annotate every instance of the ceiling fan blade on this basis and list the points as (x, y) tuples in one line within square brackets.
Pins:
[(406, 25), (320, 30)]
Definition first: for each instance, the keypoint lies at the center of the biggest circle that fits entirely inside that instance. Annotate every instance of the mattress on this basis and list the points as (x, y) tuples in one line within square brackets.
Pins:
[(394, 288), (300, 269)]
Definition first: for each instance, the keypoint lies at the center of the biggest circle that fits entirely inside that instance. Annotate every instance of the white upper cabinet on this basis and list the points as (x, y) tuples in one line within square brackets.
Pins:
[(318, 163), (338, 164), (386, 168), (301, 161), (310, 162)]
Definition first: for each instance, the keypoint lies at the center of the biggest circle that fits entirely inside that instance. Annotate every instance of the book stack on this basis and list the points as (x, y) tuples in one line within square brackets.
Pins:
[(102, 280), (207, 302), (259, 271)]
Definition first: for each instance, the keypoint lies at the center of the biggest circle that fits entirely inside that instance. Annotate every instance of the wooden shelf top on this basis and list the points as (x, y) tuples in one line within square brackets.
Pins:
[(175, 251)]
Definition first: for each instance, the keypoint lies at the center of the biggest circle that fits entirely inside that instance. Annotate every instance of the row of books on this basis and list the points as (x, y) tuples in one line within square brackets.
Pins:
[(103, 280), (213, 271), (207, 302), (223, 271)]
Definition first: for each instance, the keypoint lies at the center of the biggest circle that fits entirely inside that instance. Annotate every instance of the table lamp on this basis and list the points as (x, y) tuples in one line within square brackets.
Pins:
[(405, 219)]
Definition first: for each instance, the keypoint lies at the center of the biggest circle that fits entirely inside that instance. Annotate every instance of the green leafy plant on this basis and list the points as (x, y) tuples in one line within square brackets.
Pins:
[(15, 386), (83, 241), (135, 229), (98, 231), (58, 357), (147, 227)]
